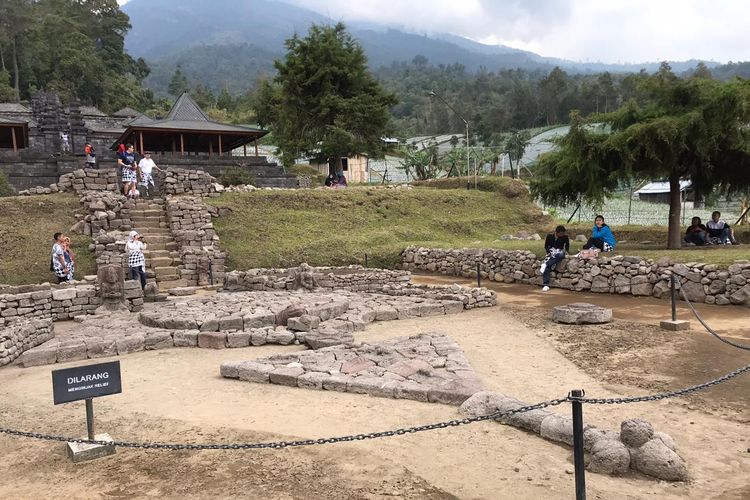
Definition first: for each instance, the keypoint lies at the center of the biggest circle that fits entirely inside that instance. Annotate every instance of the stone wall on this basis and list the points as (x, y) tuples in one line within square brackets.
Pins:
[(21, 336), (180, 181), (198, 243), (58, 302), (619, 274), (47, 301), (355, 279), (104, 210)]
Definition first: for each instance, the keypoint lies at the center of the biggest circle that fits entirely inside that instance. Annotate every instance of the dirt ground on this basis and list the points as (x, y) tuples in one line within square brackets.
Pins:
[(177, 395)]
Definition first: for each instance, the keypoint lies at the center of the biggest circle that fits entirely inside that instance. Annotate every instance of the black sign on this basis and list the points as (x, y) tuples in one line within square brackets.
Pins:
[(83, 382)]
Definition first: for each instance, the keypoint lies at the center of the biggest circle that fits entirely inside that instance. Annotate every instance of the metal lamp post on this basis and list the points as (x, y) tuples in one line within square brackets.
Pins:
[(432, 93)]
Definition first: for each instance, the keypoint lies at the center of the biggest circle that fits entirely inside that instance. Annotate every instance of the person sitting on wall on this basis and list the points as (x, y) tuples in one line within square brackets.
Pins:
[(602, 239), (556, 245), (696, 234), (719, 232), (330, 181)]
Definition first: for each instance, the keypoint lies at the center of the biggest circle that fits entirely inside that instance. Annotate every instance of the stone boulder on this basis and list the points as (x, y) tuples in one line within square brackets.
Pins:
[(581, 313), (655, 459)]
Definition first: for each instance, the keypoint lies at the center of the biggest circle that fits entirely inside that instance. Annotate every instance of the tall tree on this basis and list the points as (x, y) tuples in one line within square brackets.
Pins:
[(515, 147), (694, 129), (328, 105), (179, 83)]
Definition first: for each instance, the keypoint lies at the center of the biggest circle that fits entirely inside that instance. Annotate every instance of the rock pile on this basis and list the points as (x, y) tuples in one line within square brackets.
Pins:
[(635, 447), (429, 367), (608, 274), (22, 335), (106, 211), (355, 278)]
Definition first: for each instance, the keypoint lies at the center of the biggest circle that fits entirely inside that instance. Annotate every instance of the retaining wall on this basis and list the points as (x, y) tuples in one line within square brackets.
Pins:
[(707, 283), (192, 229), (21, 336)]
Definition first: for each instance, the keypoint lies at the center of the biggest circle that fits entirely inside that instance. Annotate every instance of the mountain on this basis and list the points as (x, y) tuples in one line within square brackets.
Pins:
[(229, 43)]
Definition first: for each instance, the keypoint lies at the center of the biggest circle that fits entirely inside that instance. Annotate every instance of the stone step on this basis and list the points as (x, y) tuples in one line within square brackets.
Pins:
[(170, 245), (157, 238), (154, 230), (160, 262), (145, 220), (166, 285), (165, 270), (146, 212)]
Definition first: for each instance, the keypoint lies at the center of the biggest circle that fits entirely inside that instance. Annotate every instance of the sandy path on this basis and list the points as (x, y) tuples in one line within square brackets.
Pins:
[(177, 395)]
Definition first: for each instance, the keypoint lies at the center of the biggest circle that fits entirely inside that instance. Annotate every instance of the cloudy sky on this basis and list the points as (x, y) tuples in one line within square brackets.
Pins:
[(594, 30)]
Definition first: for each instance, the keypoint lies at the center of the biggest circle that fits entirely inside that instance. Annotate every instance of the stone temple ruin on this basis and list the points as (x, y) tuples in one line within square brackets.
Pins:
[(325, 309)]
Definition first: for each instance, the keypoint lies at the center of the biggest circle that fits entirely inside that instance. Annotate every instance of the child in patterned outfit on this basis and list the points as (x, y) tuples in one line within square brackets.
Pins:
[(69, 257)]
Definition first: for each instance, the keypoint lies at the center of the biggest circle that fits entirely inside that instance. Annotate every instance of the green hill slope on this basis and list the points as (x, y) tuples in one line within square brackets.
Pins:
[(333, 227), (26, 228)]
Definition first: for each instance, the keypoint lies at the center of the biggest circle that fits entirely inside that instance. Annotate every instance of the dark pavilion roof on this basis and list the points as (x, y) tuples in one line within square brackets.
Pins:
[(12, 122), (188, 118), (13, 107), (91, 111)]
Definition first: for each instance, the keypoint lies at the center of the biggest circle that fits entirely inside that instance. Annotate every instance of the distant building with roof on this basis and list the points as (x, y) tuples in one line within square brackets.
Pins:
[(31, 138)]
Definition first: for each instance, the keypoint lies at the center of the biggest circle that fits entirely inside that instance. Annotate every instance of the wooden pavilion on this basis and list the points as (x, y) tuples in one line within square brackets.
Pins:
[(187, 130)]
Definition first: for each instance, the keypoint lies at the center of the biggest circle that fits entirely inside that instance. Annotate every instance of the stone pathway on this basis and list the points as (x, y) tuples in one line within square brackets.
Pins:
[(237, 319), (429, 367)]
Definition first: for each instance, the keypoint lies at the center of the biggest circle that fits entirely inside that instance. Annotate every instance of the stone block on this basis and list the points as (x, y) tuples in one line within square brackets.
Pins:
[(42, 355), (97, 347), (312, 380), (185, 338), (675, 326), (655, 459), (238, 339), (454, 392), (158, 340), (82, 452), (259, 319), (280, 335), (212, 340), (286, 375), (581, 313), (131, 343), (231, 323), (64, 294), (71, 351)]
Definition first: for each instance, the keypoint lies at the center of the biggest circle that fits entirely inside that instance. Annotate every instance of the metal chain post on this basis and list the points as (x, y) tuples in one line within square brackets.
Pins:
[(578, 451)]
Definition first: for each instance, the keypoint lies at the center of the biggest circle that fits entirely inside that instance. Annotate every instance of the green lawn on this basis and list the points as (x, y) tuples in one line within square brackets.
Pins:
[(27, 224), (334, 227)]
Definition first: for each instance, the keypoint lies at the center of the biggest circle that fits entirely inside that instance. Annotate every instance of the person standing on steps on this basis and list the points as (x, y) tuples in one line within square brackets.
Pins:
[(90, 155), (126, 161), (136, 259), (556, 245), (147, 165)]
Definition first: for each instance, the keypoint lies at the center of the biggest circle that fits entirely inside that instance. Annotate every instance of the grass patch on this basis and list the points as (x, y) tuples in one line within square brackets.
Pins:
[(26, 227), (336, 227), (504, 185)]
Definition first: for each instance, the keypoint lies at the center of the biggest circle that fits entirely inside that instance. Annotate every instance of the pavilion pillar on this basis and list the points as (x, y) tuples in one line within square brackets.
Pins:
[(15, 140), (140, 136), (174, 148), (182, 145), (256, 146), (244, 150), (220, 152)]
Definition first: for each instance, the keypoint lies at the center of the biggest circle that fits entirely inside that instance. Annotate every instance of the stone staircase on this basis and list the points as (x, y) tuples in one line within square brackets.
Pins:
[(149, 218)]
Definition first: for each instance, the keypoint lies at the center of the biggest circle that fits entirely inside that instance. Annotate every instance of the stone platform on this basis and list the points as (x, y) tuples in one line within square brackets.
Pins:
[(429, 367), (237, 319)]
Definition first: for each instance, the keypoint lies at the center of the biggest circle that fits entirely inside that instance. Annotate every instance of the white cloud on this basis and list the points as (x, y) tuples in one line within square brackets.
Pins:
[(609, 31)]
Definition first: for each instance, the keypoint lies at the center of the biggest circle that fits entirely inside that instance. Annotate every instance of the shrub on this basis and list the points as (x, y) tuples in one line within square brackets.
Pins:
[(236, 176), (301, 169), (5, 188)]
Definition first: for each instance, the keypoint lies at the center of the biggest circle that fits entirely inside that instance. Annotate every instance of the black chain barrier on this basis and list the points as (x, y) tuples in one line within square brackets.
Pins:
[(708, 328), (288, 444)]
